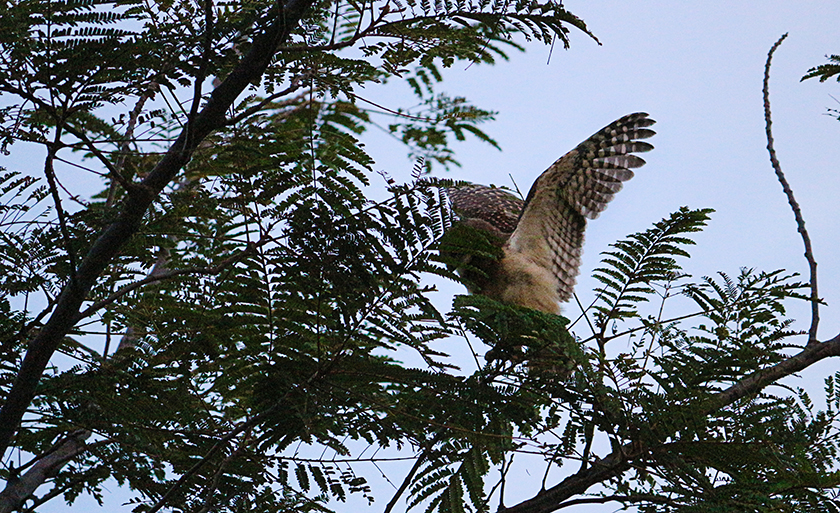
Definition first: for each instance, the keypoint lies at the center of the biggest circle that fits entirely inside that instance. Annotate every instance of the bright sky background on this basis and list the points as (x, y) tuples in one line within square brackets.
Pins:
[(697, 68)]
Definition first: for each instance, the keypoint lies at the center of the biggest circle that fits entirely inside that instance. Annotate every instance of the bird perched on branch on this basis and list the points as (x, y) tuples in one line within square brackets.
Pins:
[(538, 241)]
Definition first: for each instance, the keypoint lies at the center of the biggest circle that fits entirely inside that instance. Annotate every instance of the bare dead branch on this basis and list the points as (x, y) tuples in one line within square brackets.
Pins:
[(797, 213)]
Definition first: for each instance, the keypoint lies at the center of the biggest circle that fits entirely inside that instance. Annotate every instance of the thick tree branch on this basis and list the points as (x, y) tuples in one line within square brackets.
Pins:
[(17, 491), (624, 499), (797, 212), (754, 383), (605, 468), (278, 23)]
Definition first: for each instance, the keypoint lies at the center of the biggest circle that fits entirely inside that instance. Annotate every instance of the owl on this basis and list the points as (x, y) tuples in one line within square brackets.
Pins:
[(539, 240)]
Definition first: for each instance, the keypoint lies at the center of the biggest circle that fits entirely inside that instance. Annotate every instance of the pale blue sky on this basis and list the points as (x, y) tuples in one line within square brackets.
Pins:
[(696, 67)]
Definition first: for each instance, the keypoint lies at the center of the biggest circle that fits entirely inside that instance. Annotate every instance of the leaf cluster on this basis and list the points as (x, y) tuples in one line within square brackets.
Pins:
[(269, 320)]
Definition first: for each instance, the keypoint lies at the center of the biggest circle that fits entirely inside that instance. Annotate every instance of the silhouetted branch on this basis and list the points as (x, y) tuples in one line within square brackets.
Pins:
[(797, 213), (619, 461)]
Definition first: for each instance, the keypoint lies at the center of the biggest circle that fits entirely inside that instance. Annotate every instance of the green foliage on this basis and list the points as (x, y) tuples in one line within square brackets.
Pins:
[(825, 71), (268, 327), (263, 302), (636, 264), (765, 452), (482, 415)]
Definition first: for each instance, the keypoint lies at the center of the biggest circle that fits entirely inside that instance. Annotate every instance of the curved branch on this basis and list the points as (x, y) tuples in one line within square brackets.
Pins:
[(754, 383), (605, 468), (619, 461), (797, 213)]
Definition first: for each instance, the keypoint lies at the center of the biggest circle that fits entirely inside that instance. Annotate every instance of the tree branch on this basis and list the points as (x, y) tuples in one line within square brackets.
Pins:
[(160, 275), (605, 468), (49, 172), (278, 22), (619, 460), (359, 34), (18, 490), (624, 499), (797, 213), (126, 143), (113, 172), (406, 482), (754, 383)]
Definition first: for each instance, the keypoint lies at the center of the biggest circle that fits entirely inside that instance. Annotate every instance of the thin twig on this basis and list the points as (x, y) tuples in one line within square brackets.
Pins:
[(165, 275), (393, 112), (797, 213), (202, 70), (112, 171), (584, 315), (407, 481), (49, 172), (221, 444), (295, 85), (589, 435), (125, 145)]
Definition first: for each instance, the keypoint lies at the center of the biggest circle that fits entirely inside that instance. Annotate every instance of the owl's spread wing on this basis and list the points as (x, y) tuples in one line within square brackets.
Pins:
[(576, 187)]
